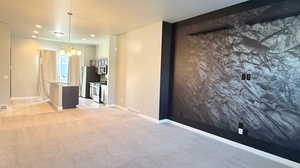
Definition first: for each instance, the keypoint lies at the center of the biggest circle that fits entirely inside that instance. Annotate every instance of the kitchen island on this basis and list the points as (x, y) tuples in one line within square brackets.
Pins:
[(64, 96)]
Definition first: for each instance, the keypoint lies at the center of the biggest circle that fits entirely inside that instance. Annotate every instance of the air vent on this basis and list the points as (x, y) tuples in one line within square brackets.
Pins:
[(3, 107)]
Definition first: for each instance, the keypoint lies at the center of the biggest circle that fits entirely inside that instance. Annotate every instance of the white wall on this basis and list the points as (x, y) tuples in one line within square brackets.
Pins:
[(25, 68), (112, 68), (5, 41), (107, 48), (89, 53), (138, 70), (103, 47)]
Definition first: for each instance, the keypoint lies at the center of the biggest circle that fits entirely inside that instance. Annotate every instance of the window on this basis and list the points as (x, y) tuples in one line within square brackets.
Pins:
[(62, 68)]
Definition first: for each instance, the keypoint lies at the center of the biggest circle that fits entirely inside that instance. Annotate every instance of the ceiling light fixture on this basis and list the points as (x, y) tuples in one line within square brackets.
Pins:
[(83, 39), (70, 51), (38, 26), (93, 35), (35, 32), (34, 36)]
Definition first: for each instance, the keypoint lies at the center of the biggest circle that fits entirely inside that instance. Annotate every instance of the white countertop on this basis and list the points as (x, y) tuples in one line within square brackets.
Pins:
[(64, 84)]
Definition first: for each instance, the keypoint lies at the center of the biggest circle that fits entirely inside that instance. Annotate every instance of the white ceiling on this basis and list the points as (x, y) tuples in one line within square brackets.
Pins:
[(99, 17)]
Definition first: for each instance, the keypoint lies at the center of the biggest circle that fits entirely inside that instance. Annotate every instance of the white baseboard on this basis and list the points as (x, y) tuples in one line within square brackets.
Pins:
[(110, 105), (238, 145), (24, 98), (59, 108), (148, 118), (275, 158), (133, 110), (164, 121), (121, 107), (137, 113)]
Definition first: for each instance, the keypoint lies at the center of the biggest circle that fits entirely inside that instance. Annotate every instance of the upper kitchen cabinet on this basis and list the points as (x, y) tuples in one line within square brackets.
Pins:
[(101, 65)]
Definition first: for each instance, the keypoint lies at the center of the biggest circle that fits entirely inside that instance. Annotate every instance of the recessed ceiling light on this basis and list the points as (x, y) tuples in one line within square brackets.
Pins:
[(38, 26), (83, 39), (35, 32), (58, 34), (93, 35), (34, 36)]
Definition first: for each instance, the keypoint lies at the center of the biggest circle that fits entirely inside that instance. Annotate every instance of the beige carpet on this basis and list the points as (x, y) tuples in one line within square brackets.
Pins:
[(32, 106), (111, 138)]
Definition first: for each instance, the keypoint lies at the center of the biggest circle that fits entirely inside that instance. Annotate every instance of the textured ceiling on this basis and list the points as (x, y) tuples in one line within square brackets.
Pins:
[(99, 17)]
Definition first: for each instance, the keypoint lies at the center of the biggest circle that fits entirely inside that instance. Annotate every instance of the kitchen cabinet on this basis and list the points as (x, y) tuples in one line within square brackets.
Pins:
[(64, 96), (104, 94)]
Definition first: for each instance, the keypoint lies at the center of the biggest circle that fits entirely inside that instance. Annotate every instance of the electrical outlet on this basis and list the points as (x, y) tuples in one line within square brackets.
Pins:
[(248, 76), (241, 131), (243, 76)]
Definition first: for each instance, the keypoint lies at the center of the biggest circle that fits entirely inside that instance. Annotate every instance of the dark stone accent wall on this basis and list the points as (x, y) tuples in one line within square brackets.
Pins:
[(212, 54), (166, 70)]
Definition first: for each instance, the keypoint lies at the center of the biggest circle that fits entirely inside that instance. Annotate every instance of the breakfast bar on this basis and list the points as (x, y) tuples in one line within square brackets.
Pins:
[(64, 96)]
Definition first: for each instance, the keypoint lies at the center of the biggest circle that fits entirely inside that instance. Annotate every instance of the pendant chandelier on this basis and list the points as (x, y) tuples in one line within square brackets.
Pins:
[(70, 51)]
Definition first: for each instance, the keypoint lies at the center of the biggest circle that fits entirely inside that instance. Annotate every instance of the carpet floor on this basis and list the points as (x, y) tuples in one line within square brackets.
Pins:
[(111, 138)]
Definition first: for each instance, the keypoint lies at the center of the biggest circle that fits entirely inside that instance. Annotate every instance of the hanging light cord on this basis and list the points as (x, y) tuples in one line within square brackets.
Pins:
[(70, 51), (70, 20), (70, 24)]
